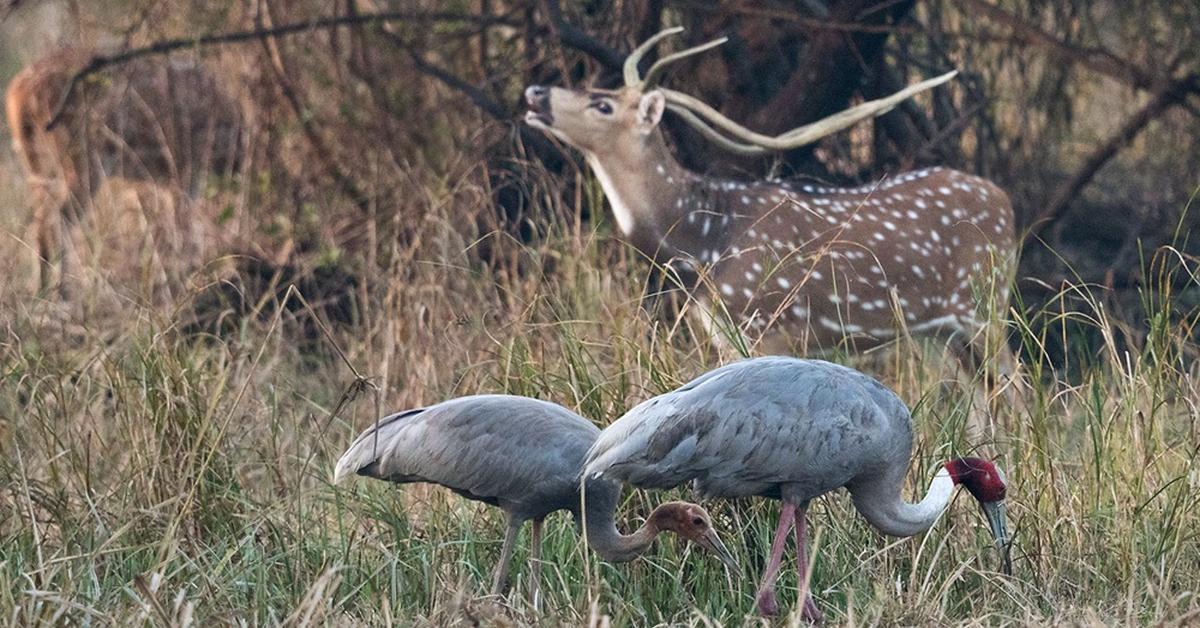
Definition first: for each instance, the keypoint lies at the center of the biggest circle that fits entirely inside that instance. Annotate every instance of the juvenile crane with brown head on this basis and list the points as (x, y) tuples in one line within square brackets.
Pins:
[(926, 252)]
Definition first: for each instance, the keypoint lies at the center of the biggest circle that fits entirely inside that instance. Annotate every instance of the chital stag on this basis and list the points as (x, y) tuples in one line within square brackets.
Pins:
[(831, 267), (153, 119)]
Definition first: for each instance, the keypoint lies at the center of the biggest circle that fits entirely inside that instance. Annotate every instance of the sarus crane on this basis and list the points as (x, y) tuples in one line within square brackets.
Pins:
[(525, 457), (790, 429)]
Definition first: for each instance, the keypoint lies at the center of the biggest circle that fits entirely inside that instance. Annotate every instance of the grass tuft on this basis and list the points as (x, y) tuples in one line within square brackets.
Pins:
[(153, 476)]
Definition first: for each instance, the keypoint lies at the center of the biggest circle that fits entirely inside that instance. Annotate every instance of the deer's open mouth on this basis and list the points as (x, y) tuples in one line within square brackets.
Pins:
[(538, 118), (538, 99)]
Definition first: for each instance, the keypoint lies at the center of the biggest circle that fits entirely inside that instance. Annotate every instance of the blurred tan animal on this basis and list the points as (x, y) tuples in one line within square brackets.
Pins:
[(157, 119)]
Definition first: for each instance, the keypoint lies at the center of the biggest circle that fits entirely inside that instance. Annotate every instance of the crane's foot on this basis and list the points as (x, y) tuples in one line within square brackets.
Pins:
[(500, 585), (811, 614), (767, 606)]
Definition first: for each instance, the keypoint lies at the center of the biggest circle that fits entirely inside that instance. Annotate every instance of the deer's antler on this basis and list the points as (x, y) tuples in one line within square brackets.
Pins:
[(703, 117)]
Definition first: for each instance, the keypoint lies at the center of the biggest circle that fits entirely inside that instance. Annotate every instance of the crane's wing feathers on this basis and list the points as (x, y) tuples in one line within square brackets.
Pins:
[(515, 452), (750, 427)]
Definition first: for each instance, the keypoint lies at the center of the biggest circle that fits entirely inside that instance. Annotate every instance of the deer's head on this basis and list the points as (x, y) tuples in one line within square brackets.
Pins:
[(596, 120), (593, 120)]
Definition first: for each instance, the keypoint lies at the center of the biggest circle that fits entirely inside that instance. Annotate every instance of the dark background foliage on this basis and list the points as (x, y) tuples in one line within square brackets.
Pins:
[(1084, 111)]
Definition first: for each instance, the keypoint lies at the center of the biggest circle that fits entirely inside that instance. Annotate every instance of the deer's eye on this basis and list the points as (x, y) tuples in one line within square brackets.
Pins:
[(697, 522), (603, 107)]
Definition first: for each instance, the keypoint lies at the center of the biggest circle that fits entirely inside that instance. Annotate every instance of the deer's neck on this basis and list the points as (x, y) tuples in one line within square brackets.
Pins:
[(658, 205)]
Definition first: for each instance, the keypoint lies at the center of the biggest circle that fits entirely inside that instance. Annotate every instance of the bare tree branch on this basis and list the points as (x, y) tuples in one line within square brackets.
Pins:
[(7, 8), (1097, 60), (323, 152), (101, 62), (1066, 193), (573, 37), (833, 63), (476, 95), (804, 22)]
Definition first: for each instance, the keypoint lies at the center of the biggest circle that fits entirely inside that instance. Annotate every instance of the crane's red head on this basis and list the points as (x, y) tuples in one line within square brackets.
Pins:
[(986, 484), (981, 478)]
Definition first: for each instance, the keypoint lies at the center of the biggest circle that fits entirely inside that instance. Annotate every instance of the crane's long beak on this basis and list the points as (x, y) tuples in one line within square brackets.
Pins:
[(711, 542), (997, 516)]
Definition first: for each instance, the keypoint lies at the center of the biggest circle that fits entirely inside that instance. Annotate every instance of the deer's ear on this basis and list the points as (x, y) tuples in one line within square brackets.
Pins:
[(650, 110)]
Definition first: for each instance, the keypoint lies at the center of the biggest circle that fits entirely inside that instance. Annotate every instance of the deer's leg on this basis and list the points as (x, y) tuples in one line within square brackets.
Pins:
[(42, 237), (1008, 390), (67, 254), (999, 392), (970, 355)]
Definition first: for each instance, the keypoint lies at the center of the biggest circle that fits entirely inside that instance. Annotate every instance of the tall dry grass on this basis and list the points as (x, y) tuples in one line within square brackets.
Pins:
[(148, 475)]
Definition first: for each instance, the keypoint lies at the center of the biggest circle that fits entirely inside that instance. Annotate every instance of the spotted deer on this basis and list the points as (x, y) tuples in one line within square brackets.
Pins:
[(818, 267), (154, 119)]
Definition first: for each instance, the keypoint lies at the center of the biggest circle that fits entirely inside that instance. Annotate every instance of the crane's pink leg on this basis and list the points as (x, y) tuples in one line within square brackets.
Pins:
[(767, 606), (535, 560), (500, 577), (811, 613)]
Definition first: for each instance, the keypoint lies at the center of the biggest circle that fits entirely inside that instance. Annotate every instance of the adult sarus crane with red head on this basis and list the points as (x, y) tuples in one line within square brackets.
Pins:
[(928, 252), (790, 429)]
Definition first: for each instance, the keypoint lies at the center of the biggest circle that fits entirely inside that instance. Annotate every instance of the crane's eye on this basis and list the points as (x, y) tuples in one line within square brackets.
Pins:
[(603, 106), (698, 522)]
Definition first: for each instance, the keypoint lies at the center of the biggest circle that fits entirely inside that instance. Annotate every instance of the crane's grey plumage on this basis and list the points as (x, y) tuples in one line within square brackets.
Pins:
[(789, 429), (759, 427), (521, 455)]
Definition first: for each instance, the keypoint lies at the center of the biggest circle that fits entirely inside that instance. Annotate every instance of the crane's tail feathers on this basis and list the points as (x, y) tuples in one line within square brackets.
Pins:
[(363, 455), (364, 452), (595, 469), (351, 461)]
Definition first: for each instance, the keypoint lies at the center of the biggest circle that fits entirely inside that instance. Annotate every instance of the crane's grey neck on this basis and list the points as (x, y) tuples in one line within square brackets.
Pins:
[(666, 211), (599, 507), (885, 509)]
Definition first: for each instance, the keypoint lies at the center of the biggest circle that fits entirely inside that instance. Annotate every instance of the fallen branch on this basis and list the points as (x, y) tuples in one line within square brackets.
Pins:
[(100, 62)]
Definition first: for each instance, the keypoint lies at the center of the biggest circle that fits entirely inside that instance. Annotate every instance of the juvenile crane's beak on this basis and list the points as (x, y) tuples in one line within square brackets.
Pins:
[(711, 542), (997, 516)]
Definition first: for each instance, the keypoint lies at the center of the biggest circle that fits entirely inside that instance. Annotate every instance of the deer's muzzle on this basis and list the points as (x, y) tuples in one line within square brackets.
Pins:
[(538, 99)]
